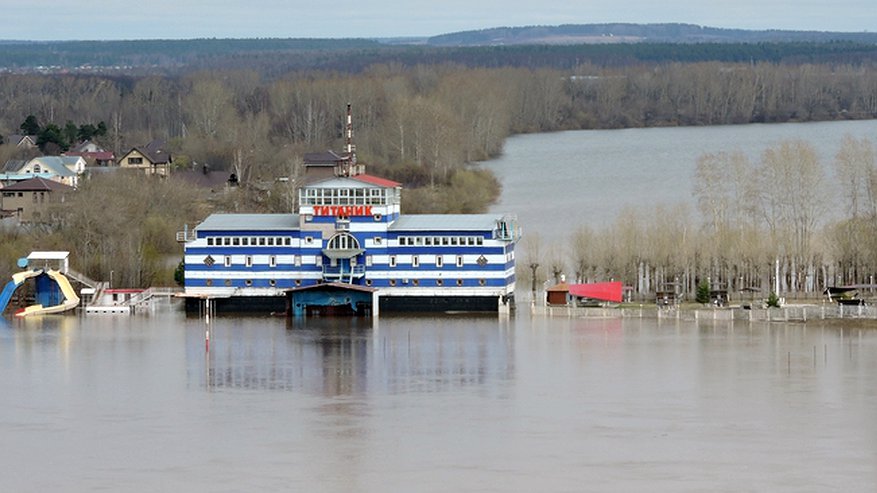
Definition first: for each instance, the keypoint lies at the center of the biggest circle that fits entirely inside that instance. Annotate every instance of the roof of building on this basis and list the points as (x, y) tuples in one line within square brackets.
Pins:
[(356, 181), (38, 185), (326, 158), (24, 176), (250, 222), (56, 164), (17, 138), (376, 180), (13, 165), (96, 155), (445, 222), (333, 286), (341, 182), (154, 151)]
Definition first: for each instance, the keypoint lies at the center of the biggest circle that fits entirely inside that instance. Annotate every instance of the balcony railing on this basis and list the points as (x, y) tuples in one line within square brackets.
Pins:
[(345, 272)]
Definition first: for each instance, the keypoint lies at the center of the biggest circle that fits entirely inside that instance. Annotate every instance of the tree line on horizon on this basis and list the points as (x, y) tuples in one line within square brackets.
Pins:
[(419, 125)]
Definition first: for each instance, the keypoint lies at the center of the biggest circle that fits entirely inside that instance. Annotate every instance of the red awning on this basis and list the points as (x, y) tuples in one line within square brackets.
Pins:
[(603, 291)]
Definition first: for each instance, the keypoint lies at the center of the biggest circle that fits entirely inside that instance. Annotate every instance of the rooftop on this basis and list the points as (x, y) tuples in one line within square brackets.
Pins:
[(446, 222), (250, 222)]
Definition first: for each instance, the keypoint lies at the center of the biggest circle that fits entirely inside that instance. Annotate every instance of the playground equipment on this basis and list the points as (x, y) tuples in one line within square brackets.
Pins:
[(54, 294)]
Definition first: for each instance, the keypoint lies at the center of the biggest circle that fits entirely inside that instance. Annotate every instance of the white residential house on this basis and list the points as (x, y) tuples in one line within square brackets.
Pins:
[(63, 169)]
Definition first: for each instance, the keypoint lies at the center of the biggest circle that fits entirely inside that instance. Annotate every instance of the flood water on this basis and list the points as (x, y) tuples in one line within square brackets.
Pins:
[(556, 182), (409, 404)]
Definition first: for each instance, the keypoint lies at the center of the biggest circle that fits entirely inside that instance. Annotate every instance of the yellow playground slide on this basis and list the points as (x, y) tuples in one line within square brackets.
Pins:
[(71, 300)]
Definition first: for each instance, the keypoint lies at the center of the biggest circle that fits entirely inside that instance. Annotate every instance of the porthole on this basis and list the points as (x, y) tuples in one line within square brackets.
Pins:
[(392, 282), (482, 282), (459, 282), (298, 282), (272, 282), (248, 282), (368, 282), (415, 282), (439, 282), (228, 282), (209, 282)]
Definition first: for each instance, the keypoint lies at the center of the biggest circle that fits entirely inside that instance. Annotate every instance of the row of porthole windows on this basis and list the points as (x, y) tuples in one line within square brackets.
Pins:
[(438, 282), (249, 282), (441, 241)]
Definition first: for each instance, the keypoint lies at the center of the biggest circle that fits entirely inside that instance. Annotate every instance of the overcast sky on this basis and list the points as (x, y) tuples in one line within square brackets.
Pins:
[(149, 19)]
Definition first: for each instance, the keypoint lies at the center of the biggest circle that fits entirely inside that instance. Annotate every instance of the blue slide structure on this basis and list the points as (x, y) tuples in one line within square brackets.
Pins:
[(17, 280)]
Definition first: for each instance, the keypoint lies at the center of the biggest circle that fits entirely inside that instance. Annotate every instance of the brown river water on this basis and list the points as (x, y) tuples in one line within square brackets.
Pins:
[(459, 403)]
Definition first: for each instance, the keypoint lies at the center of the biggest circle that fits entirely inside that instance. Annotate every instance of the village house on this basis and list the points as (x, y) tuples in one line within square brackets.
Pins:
[(63, 169), (30, 200), (152, 159), (22, 141), (93, 154)]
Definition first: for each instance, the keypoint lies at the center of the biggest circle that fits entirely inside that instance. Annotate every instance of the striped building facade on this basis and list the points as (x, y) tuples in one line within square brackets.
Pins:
[(351, 250)]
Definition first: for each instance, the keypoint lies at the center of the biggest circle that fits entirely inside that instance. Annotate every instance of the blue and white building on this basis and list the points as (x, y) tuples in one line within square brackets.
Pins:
[(349, 249)]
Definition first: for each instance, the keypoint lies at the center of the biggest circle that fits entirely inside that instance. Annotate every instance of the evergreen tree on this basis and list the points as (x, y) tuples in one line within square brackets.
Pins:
[(30, 126), (51, 134), (703, 292)]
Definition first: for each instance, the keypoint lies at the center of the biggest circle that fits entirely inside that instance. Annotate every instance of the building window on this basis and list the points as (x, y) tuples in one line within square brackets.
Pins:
[(459, 261), (392, 261), (228, 260), (415, 261), (342, 241), (272, 261), (135, 160)]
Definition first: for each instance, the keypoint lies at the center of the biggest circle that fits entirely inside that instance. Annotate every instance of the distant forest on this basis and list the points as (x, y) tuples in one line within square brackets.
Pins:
[(534, 47)]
